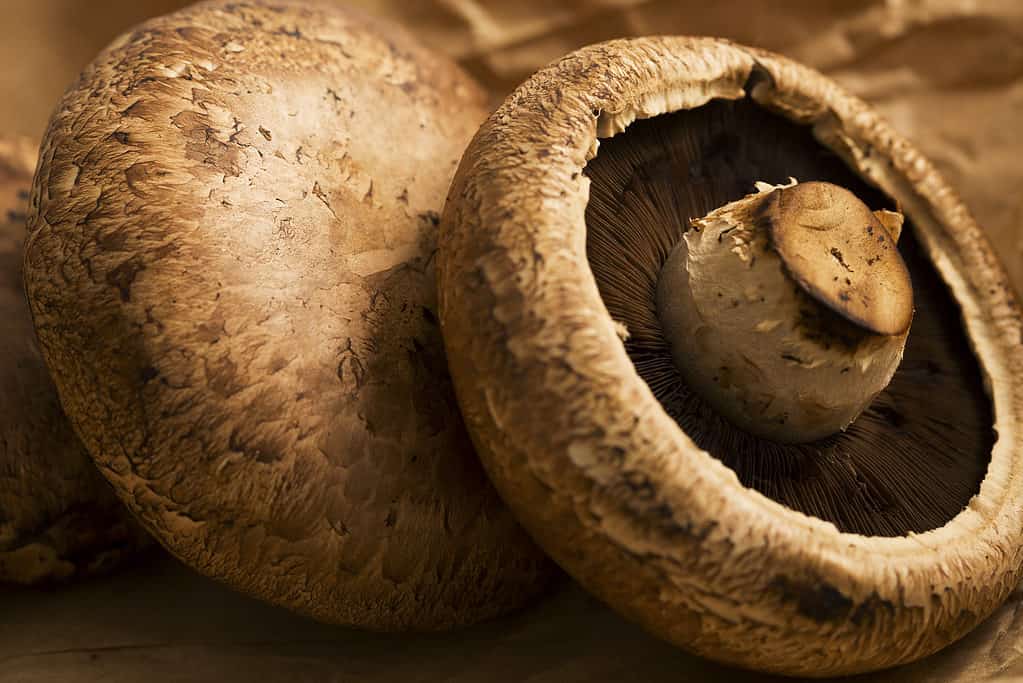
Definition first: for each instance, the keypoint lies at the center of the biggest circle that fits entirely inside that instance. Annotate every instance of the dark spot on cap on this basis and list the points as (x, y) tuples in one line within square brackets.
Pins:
[(820, 602), (430, 217), (870, 610), (123, 276)]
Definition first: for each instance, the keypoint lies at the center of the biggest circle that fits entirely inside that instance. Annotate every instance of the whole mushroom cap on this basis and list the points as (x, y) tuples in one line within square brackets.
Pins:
[(870, 548), (59, 519), (230, 269)]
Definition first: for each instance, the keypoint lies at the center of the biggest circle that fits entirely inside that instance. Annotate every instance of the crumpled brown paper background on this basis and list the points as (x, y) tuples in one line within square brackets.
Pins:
[(947, 73)]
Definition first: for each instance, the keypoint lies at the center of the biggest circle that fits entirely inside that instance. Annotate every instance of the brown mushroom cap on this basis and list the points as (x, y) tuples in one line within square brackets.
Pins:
[(758, 573), (865, 281), (58, 517), (231, 274)]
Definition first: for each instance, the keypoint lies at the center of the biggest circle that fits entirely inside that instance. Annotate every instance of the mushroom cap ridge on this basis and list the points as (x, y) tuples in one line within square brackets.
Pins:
[(597, 471)]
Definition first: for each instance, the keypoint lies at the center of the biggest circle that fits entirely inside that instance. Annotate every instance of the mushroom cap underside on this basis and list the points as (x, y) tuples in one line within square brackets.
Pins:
[(230, 267), (909, 463), (598, 469)]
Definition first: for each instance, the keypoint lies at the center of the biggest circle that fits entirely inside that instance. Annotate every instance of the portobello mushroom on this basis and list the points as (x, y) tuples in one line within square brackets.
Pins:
[(761, 546), (230, 267), (59, 519)]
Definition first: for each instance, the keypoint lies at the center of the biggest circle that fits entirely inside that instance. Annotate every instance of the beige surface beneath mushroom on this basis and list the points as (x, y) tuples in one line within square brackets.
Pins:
[(162, 624)]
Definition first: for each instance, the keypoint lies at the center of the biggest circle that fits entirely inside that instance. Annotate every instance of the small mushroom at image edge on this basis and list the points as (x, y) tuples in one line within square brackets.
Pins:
[(59, 519), (716, 377), (230, 266)]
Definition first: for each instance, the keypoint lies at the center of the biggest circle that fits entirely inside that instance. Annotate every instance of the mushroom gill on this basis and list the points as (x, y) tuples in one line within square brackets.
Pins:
[(910, 462)]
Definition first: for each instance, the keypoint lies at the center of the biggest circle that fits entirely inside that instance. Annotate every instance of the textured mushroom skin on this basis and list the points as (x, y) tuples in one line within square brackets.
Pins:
[(597, 471), (59, 518), (231, 274)]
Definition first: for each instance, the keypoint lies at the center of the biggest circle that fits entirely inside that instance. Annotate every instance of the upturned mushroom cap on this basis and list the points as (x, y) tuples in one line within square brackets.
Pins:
[(872, 548), (230, 269), (59, 518)]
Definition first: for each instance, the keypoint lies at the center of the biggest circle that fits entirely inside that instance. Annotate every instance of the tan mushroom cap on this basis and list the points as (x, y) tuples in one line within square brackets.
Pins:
[(231, 274), (597, 470), (59, 519), (865, 280)]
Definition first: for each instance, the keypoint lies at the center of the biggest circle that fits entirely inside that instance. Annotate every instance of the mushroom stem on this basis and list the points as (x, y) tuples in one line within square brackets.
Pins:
[(788, 310)]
